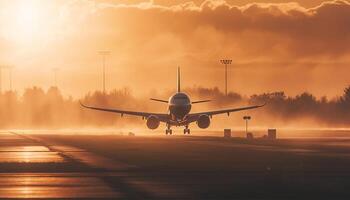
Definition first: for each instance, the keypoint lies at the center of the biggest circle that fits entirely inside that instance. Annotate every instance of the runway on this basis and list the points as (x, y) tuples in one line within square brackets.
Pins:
[(32, 168), (71, 166)]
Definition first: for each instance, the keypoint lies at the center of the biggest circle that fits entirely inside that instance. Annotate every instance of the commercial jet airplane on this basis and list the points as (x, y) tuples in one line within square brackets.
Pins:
[(179, 107)]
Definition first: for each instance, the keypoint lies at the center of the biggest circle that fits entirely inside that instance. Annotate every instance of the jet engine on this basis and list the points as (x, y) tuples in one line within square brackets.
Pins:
[(153, 122), (203, 121)]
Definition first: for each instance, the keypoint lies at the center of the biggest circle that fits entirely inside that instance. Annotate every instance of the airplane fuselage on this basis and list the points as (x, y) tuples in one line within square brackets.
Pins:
[(179, 106)]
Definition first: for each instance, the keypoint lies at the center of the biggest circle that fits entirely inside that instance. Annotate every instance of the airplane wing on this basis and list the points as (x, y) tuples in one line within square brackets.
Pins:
[(202, 101), (162, 117), (228, 111), (160, 100)]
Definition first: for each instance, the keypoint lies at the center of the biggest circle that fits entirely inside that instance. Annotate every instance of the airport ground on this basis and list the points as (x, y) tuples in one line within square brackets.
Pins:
[(37, 164)]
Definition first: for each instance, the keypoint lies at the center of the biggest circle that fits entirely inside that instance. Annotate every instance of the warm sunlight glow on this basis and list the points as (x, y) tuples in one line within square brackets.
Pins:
[(31, 22), (28, 16), (281, 51)]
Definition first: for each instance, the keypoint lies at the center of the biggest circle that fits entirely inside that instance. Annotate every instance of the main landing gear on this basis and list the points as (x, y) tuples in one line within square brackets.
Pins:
[(186, 130), (170, 132)]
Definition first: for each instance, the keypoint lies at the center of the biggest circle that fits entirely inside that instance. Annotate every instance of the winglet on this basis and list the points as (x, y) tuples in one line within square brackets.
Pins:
[(83, 104), (178, 80), (264, 104)]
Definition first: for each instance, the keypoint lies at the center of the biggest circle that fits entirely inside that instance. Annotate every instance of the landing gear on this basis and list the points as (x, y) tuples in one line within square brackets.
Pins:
[(168, 130), (186, 130)]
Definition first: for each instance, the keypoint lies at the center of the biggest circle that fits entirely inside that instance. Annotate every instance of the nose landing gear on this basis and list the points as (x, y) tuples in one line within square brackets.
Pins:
[(168, 130), (186, 130)]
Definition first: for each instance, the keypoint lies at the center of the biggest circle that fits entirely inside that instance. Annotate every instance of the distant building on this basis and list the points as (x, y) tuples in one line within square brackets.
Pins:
[(250, 136)]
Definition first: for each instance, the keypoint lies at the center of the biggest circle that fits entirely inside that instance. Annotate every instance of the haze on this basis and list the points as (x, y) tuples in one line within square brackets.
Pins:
[(293, 47)]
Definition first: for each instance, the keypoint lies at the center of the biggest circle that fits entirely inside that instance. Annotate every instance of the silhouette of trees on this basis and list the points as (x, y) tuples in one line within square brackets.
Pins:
[(343, 104), (335, 112), (8, 103), (218, 98), (36, 108)]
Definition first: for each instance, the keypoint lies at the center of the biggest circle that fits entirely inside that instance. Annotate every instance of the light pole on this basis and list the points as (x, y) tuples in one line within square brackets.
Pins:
[(246, 118), (226, 62), (104, 54), (9, 67), (1, 67), (55, 72), (10, 75)]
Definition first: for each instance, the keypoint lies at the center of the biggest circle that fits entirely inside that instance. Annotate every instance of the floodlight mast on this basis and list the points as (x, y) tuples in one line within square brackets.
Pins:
[(226, 62), (9, 67), (104, 54), (55, 73), (10, 74), (1, 67)]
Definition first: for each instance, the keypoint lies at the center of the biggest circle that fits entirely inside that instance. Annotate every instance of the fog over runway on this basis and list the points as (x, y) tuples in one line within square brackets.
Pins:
[(48, 165)]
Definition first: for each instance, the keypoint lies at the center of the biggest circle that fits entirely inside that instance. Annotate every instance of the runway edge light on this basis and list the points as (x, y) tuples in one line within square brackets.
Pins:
[(272, 134)]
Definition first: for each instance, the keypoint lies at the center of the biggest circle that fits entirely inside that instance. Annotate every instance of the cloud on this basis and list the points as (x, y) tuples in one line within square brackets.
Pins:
[(288, 31), (276, 40)]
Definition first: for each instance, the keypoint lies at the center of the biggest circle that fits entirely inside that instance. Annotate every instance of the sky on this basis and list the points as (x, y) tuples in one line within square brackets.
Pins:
[(275, 45)]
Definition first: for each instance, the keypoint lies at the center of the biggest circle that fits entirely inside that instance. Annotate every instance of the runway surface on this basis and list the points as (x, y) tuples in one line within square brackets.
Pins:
[(71, 166)]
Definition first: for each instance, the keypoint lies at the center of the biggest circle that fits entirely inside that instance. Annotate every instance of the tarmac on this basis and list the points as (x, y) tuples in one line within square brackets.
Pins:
[(78, 166)]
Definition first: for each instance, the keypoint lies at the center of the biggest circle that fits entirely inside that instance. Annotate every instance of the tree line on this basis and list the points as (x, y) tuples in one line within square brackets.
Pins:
[(37, 108)]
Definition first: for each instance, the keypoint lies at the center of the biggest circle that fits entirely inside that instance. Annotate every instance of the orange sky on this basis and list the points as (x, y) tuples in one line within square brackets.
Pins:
[(293, 47), (305, 3)]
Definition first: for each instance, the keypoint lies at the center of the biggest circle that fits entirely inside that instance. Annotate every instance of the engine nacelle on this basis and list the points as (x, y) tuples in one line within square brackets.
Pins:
[(153, 122), (203, 121)]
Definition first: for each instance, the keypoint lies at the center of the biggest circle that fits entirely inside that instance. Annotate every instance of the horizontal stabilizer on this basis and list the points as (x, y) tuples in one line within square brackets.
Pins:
[(203, 101), (164, 101)]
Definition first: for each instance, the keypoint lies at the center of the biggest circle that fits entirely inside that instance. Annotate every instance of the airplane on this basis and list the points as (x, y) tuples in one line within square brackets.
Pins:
[(179, 107)]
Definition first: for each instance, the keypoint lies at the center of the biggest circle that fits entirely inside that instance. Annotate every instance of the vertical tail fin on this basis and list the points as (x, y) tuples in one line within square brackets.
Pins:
[(178, 80)]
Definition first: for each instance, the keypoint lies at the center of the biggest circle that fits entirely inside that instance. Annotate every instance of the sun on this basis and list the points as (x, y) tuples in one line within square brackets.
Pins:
[(28, 17), (32, 22)]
